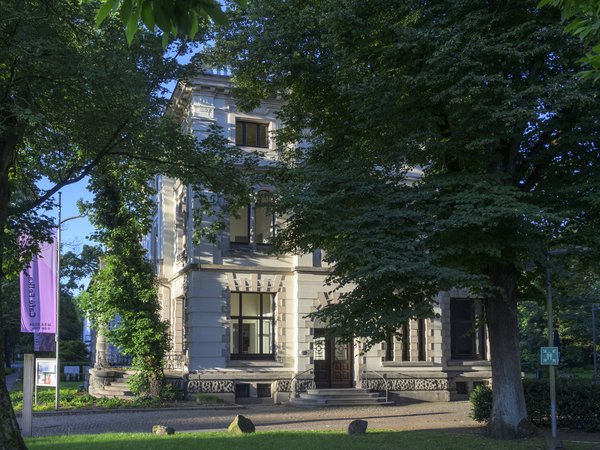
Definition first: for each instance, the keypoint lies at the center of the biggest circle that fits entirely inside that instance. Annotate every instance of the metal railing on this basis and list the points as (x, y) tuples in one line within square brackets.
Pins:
[(365, 378), (294, 383)]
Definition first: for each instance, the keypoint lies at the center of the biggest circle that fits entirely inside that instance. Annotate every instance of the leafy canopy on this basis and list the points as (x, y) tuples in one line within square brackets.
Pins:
[(172, 17)]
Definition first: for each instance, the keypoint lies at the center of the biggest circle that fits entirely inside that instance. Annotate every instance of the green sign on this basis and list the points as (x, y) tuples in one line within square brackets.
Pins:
[(549, 356)]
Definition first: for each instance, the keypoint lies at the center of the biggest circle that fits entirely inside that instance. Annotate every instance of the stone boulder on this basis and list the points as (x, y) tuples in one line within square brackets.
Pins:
[(241, 425), (162, 430), (357, 427)]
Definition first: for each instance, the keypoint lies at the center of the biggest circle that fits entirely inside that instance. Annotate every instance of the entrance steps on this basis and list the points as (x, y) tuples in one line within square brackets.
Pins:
[(117, 388), (339, 397)]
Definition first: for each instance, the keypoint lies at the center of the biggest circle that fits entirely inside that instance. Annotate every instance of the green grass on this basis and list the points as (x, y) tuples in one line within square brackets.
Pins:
[(405, 440)]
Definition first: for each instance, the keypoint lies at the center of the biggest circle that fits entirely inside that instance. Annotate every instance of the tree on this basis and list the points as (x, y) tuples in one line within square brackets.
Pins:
[(124, 290), (479, 100), (584, 22), (70, 96)]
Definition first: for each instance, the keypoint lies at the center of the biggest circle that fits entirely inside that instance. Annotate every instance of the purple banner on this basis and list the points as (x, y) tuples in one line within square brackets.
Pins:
[(44, 342), (38, 292)]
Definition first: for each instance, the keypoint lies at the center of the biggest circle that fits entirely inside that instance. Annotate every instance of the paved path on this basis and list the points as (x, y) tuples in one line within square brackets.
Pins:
[(11, 379), (425, 416)]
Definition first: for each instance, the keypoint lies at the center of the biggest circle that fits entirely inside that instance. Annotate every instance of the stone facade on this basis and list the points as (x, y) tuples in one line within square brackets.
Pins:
[(207, 290)]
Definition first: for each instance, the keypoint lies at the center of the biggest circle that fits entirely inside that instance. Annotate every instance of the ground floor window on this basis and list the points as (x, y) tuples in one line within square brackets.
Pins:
[(467, 332), (252, 326)]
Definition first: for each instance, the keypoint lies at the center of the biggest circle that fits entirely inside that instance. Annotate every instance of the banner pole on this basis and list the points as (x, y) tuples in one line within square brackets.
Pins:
[(57, 335)]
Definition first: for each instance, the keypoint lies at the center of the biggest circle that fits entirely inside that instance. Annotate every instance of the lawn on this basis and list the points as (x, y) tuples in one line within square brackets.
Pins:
[(338, 440)]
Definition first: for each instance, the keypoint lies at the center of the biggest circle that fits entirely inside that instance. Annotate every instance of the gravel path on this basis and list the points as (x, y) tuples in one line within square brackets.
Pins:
[(426, 416)]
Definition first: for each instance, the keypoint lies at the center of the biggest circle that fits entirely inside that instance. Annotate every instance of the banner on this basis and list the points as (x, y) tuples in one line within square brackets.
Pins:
[(44, 342), (38, 292)]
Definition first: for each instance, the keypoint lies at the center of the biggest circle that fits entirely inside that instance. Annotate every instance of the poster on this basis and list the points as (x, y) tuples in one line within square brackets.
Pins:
[(45, 372)]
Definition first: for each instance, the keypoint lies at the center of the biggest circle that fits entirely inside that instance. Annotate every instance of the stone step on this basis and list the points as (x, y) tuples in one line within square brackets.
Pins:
[(111, 387), (104, 393), (341, 393), (302, 402), (339, 397), (362, 398)]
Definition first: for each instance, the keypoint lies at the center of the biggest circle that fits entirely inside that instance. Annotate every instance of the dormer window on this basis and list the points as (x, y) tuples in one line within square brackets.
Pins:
[(251, 134)]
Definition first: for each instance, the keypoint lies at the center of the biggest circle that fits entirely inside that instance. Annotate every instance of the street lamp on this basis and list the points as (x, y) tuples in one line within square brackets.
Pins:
[(57, 335), (549, 254)]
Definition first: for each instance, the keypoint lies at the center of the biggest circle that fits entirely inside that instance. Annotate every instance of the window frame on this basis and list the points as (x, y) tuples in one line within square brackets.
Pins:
[(239, 319), (476, 334), (244, 140)]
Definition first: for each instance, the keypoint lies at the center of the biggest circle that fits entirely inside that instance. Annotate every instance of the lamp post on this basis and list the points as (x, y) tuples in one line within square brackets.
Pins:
[(552, 373), (57, 335)]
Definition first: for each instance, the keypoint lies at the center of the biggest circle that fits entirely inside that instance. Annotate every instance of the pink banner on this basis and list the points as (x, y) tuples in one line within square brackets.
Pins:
[(38, 292)]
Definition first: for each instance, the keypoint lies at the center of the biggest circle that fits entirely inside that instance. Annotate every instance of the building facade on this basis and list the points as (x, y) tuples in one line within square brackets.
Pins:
[(238, 314)]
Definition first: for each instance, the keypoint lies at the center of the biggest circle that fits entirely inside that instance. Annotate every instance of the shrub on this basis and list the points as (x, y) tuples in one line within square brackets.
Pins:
[(481, 403), (577, 403)]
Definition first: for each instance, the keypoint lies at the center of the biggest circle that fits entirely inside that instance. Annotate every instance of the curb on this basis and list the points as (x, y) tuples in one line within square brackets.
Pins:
[(72, 412)]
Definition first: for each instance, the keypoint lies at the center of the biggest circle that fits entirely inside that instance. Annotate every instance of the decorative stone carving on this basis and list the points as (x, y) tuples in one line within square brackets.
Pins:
[(253, 283), (407, 384), (211, 386)]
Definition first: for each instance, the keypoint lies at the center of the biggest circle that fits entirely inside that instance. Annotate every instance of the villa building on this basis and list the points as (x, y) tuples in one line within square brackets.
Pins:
[(238, 314)]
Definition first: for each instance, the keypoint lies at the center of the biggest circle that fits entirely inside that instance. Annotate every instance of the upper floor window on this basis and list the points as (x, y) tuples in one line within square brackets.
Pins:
[(251, 134), (467, 333), (254, 223)]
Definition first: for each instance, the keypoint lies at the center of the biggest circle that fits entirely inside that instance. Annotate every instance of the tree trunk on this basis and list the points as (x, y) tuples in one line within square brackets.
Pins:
[(10, 435), (509, 414)]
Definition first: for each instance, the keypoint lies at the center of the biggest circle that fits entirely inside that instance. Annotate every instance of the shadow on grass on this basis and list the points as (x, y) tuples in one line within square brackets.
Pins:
[(405, 440)]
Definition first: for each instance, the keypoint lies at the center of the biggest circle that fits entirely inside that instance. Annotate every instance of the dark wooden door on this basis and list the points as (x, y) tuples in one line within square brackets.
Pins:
[(332, 362)]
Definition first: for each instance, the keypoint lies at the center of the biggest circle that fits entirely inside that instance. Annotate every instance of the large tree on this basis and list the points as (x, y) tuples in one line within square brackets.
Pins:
[(479, 99), (71, 96)]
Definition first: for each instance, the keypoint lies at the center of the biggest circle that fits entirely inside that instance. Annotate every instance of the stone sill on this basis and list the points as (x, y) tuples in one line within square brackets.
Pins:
[(408, 364), (254, 364), (468, 363)]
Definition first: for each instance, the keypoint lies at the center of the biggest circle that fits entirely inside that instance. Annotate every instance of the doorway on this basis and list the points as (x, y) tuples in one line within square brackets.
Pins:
[(332, 361)]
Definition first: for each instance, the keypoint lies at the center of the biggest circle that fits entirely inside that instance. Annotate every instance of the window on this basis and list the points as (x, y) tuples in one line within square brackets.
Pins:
[(251, 134), (389, 348), (239, 227), (405, 342), (421, 339), (467, 333), (252, 325), (264, 219), (254, 223)]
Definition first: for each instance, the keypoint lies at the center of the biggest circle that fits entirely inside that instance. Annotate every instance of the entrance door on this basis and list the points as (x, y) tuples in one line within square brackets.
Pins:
[(333, 362)]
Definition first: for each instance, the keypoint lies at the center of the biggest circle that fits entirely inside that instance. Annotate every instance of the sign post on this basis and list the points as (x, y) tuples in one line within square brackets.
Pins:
[(27, 394)]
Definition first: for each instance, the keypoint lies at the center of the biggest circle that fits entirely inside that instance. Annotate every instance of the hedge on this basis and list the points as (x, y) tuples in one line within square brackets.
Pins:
[(577, 403)]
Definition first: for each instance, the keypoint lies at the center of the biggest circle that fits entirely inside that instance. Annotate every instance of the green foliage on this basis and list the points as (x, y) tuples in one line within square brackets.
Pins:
[(584, 22), (481, 403), (207, 399), (73, 350), (444, 145), (177, 18), (122, 297), (578, 403)]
